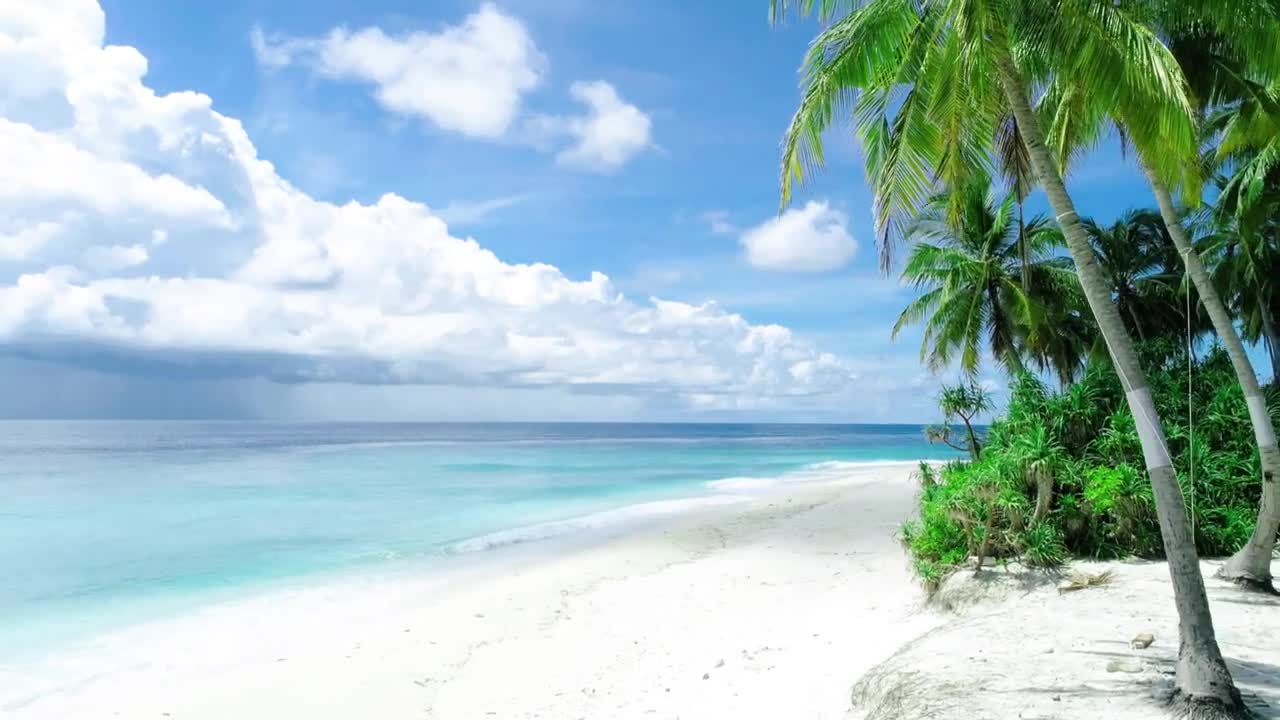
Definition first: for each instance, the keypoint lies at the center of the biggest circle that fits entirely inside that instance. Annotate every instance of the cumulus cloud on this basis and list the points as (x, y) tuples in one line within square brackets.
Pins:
[(25, 242), (40, 166), (150, 232), (611, 133), (469, 78), (814, 238)]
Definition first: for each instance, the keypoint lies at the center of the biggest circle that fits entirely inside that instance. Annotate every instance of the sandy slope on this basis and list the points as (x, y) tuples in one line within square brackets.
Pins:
[(768, 609)]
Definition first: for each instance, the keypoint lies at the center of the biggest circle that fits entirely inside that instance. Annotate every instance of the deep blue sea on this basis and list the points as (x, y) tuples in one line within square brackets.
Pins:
[(110, 523)]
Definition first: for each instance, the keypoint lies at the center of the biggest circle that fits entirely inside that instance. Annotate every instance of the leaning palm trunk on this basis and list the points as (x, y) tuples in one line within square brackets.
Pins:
[(1251, 566), (1203, 680)]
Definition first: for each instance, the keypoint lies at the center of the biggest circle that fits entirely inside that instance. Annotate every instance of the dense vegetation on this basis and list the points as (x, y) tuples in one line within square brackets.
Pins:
[(946, 94), (1061, 473)]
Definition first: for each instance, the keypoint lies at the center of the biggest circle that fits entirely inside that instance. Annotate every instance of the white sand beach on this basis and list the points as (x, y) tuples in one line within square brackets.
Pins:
[(769, 608)]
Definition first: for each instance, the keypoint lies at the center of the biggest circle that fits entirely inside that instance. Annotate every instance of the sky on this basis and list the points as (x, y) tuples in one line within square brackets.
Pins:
[(398, 210)]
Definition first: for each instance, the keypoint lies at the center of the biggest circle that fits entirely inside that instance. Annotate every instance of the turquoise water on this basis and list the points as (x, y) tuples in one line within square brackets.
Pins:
[(109, 523)]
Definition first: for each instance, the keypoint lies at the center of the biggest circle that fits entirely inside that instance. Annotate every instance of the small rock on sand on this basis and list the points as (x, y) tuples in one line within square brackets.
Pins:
[(1124, 666), (1142, 641)]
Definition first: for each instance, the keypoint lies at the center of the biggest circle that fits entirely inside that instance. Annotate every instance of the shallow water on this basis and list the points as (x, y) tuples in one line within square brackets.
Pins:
[(104, 524)]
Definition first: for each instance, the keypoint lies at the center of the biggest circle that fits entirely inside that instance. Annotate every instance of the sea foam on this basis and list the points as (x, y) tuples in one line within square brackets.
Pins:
[(814, 472), (616, 519)]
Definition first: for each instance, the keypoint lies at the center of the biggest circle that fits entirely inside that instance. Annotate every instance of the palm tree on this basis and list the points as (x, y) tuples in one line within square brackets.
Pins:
[(1135, 253), (1217, 47), (1246, 271), (927, 81), (1247, 216), (977, 289), (1014, 165)]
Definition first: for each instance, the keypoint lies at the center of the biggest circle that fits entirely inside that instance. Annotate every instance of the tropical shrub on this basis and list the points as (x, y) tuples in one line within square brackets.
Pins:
[(1061, 473)]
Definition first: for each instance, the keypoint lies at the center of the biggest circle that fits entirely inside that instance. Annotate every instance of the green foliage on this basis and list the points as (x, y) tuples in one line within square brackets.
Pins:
[(962, 401), (988, 282), (1075, 453), (1124, 512), (1043, 546)]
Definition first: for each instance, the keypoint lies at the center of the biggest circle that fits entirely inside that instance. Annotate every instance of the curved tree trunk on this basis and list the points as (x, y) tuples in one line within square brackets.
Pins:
[(1251, 566), (1204, 683), (1044, 494), (975, 447)]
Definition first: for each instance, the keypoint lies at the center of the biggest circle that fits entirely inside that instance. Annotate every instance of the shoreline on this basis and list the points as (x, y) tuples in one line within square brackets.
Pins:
[(782, 598), (43, 634)]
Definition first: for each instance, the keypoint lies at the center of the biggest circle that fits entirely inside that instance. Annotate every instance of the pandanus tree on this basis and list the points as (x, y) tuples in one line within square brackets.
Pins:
[(1219, 52), (964, 401), (926, 82), (988, 281)]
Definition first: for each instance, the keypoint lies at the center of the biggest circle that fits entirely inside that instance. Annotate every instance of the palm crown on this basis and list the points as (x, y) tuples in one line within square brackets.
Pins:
[(971, 270)]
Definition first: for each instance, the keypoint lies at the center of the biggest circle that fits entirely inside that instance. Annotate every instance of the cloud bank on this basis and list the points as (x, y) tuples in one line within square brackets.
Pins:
[(143, 233)]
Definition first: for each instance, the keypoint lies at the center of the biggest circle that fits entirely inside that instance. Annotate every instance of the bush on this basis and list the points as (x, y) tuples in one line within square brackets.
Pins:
[(1061, 474)]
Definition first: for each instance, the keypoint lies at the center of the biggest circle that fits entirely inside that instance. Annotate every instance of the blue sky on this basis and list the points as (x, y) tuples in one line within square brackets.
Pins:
[(637, 141)]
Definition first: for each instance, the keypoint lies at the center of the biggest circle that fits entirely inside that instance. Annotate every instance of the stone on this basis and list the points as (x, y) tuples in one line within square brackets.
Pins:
[(1142, 641)]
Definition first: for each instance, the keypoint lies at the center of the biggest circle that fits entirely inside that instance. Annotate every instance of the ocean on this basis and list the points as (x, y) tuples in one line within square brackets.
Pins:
[(108, 524)]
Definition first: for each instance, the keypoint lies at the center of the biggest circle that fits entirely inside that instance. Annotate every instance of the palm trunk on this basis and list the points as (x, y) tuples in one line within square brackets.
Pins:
[(1024, 251), (1272, 335), (1250, 566), (1137, 322), (1203, 680)]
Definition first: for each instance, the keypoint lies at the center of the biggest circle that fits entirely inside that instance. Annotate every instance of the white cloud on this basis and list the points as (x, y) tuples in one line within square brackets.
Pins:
[(611, 133), (41, 166), (105, 259), (814, 238), (718, 222), (275, 52), (469, 78), (247, 275), (28, 241)]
